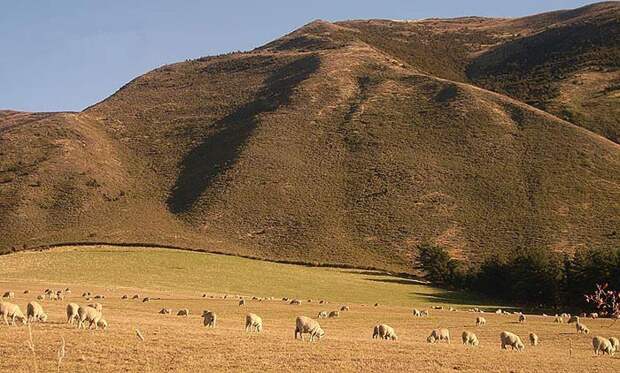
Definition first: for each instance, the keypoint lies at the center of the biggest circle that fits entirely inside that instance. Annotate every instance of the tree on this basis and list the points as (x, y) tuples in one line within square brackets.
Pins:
[(440, 268), (606, 301)]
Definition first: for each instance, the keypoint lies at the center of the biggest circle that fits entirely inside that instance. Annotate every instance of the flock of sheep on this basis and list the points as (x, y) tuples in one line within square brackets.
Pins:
[(91, 316)]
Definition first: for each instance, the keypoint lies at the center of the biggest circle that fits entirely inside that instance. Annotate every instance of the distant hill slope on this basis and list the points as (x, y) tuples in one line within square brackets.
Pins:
[(340, 143)]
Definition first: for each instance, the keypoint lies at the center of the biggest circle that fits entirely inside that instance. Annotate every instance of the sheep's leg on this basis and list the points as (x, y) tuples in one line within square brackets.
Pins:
[(6, 321)]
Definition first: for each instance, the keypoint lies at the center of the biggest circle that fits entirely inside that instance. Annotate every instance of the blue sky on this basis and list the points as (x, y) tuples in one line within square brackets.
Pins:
[(68, 54)]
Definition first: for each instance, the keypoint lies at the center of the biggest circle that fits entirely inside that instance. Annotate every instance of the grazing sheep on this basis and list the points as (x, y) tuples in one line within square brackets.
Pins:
[(11, 311), (521, 318), (72, 313), (253, 322), (242, 302), (209, 318), (376, 304), (438, 307), (322, 301), (102, 323), (581, 328), (469, 339), (594, 315), (90, 315), (615, 343), (534, 339), (295, 302), (323, 315), (452, 309), (558, 319), (34, 312), (99, 296), (512, 340), (136, 296), (602, 344), (344, 308), (571, 319), (183, 312), (333, 314), (499, 311), (147, 299), (165, 311), (26, 291), (439, 335), (384, 331), (125, 297), (8, 295), (84, 294), (481, 321), (97, 306), (416, 312), (305, 324), (424, 313)]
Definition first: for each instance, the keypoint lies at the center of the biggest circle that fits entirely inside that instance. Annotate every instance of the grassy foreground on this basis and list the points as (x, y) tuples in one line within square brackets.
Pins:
[(196, 272)]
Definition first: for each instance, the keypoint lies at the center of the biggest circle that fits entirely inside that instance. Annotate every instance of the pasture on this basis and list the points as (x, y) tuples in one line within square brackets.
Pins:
[(174, 343)]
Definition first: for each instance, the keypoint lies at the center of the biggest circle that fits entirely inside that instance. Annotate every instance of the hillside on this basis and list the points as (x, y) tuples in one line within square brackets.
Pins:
[(341, 143)]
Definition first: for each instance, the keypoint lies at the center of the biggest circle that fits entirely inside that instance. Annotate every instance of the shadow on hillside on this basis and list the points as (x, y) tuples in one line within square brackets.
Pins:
[(219, 151)]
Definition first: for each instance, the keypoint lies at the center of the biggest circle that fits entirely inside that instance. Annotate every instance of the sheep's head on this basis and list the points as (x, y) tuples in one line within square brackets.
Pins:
[(320, 333), (43, 317), (519, 345), (205, 313), (394, 337), (430, 339)]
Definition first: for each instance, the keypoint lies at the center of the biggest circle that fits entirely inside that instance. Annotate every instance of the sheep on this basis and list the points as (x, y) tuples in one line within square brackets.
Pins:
[(615, 343), (99, 296), (183, 312), (102, 323), (384, 331), (97, 306), (438, 307), (438, 335), (512, 340), (125, 296), (253, 322), (558, 319), (534, 339), (571, 319), (34, 312), (26, 291), (242, 302), (53, 296), (594, 315), (295, 302), (521, 318), (322, 315), (452, 309), (333, 314), (376, 304), (11, 311), (209, 318), (499, 311), (135, 296), (416, 312), (305, 324), (469, 338), (146, 299), (322, 301), (424, 313), (9, 295), (604, 345), (344, 308), (581, 328), (165, 311), (481, 321), (86, 294), (90, 315), (72, 312)]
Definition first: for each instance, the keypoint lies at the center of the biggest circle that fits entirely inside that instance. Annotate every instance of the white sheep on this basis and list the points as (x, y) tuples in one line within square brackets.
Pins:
[(416, 312), (469, 338), (305, 324), (521, 318), (558, 319), (90, 315), (295, 302), (581, 328), (594, 315), (34, 312), (344, 308), (209, 318), (439, 335), (602, 344), (9, 295), (125, 296), (615, 343), (333, 314), (10, 311), (242, 302), (481, 321), (424, 313), (183, 312), (165, 311), (512, 340), (253, 323), (384, 331), (534, 340), (72, 313), (322, 315), (135, 296)]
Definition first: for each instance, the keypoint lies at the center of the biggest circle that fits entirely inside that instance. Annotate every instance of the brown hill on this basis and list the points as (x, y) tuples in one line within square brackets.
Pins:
[(340, 143)]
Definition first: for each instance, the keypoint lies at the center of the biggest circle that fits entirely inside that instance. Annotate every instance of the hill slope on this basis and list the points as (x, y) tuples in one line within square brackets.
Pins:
[(345, 143)]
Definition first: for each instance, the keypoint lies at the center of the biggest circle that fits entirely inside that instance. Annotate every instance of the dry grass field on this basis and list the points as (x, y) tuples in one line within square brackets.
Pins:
[(173, 343)]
